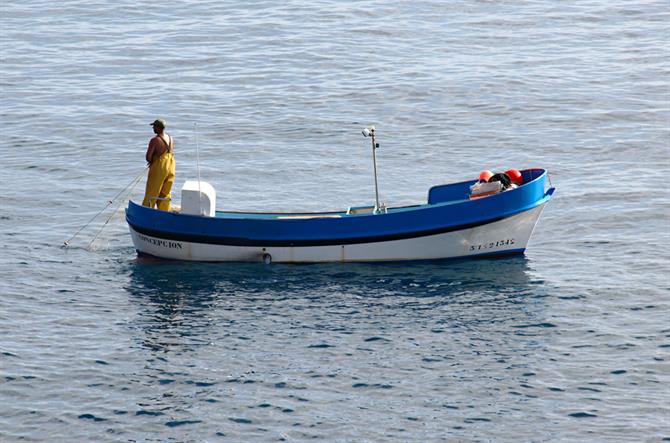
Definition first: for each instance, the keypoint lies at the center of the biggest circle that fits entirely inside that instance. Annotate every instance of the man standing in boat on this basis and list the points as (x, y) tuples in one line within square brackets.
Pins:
[(161, 168)]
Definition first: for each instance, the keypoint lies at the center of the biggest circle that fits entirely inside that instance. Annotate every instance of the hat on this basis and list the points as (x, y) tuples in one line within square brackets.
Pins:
[(159, 122)]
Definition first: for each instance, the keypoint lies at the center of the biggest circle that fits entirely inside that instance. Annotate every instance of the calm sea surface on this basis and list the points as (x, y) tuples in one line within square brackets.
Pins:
[(569, 343)]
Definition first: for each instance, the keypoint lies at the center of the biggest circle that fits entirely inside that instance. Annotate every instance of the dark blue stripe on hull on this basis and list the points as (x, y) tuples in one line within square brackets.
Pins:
[(491, 255), (237, 241)]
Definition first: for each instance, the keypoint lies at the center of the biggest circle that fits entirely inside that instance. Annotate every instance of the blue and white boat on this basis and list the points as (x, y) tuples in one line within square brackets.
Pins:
[(450, 224)]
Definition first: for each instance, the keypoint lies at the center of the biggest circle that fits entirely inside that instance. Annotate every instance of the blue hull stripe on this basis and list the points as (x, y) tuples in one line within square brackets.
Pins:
[(489, 255), (238, 241)]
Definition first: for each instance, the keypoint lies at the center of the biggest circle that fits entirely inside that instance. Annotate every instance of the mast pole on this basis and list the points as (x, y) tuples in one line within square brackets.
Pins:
[(374, 162)]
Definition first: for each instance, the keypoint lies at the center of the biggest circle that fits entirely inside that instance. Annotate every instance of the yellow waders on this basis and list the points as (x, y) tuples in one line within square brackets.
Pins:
[(159, 182)]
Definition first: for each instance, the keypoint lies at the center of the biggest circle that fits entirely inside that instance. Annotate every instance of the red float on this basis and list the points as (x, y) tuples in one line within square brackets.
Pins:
[(515, 176), (484, 176)]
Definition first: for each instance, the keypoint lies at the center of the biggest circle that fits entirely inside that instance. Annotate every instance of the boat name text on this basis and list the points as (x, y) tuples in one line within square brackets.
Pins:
[(160, 242)]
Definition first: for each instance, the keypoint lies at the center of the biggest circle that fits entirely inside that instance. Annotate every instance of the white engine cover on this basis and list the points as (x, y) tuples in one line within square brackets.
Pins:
[(198, 200)]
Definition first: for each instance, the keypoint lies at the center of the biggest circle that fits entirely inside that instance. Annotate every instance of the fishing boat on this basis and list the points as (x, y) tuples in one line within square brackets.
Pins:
[(452, 223)]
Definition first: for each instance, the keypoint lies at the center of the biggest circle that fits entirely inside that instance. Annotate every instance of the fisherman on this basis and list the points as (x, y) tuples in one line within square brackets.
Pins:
[(161, 168)]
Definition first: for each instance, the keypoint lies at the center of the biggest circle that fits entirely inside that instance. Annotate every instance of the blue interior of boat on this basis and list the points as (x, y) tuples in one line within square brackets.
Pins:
[(453, 192), (305, 215), (441, 194), (450, 192)]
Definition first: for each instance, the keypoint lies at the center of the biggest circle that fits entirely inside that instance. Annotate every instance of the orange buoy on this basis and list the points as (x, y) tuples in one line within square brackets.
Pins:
[(484, 176), (515, 176)]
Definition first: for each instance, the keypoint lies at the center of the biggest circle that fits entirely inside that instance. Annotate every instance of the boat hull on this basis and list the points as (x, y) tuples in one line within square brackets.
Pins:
[(506, 236)]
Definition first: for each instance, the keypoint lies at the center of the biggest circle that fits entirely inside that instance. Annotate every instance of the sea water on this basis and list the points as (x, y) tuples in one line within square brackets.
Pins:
[(569, 343)]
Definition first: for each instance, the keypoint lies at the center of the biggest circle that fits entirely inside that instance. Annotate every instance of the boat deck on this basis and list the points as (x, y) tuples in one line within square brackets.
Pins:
[(309, 215)]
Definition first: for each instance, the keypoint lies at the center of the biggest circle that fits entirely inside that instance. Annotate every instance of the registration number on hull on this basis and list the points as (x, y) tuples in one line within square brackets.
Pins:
[(491, 245)]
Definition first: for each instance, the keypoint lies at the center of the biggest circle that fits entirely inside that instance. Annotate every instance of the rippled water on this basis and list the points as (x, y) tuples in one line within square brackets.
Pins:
[(569, 343)]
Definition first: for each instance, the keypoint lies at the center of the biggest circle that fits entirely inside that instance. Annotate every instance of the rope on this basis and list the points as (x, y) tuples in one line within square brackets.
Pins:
[(114, 212), (66, 243)]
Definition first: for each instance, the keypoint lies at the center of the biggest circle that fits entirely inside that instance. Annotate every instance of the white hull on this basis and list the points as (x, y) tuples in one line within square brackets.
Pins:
[(510, 235)]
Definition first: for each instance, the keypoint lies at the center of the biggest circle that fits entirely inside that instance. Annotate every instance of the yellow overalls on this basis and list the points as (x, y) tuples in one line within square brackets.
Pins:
[(159, 182)]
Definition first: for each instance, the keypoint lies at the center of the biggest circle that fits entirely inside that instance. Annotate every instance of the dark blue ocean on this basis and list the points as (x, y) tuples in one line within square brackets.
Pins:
[(569, 343)]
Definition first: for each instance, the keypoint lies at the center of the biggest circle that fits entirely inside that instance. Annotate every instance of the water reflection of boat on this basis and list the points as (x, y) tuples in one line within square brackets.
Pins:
[(202, 283), (181, 304)]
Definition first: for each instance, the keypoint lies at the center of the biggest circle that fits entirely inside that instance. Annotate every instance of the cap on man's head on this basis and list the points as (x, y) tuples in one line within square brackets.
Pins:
[(160, 123)]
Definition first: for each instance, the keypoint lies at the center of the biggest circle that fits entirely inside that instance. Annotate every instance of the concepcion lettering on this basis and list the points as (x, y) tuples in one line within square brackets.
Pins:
[(160, 242)]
